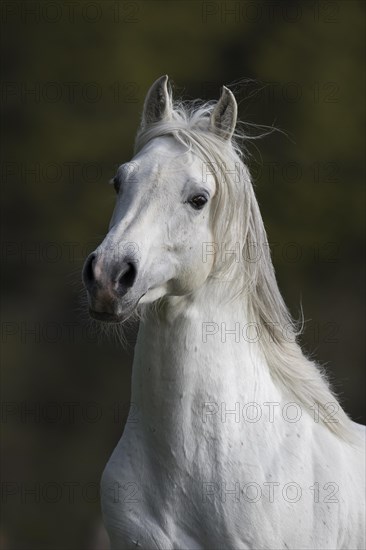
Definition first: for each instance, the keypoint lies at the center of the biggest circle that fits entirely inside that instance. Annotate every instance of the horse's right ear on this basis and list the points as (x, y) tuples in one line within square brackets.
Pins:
[(158, 102), (224, 115)]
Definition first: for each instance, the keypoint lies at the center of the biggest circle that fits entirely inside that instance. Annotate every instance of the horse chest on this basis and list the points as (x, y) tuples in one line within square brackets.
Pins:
[(156, 503)]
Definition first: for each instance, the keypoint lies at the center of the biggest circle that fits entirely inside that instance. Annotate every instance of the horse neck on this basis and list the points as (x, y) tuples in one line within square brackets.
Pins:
[(198, 350)]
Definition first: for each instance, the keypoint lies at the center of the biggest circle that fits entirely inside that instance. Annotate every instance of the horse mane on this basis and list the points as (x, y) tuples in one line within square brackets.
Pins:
[(253, 279)]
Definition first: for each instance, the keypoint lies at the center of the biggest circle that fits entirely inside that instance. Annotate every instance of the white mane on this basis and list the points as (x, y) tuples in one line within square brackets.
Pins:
[(237, 219)]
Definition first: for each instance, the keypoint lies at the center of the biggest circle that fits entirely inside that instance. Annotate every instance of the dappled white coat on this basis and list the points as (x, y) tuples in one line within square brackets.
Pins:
[(230, 443)]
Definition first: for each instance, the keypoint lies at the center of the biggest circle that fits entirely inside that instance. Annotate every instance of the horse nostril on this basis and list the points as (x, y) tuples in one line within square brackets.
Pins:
[(127, 277), (108, 278), (88, 271)]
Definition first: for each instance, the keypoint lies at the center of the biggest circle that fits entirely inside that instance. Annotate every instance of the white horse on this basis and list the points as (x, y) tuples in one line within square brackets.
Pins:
[(235, 440)]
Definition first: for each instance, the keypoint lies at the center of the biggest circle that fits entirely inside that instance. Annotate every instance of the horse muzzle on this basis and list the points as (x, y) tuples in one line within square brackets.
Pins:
[(109, 287)]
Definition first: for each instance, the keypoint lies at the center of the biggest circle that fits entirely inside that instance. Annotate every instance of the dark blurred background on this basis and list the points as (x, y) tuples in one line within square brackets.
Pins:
[(74, 76)]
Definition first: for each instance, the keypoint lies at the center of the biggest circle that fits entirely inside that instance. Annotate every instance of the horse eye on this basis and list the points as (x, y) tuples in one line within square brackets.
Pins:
[(198, 202)]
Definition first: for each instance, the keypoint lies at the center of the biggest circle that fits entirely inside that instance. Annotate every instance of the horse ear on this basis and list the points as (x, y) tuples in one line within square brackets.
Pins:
[(158, 102), (224, 115)]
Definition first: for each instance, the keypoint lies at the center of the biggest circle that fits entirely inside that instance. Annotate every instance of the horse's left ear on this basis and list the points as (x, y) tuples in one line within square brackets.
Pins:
[(158, 102), (224, 115)]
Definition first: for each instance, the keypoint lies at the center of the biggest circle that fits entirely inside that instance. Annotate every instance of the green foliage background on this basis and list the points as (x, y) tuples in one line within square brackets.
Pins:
[(303, 63)]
